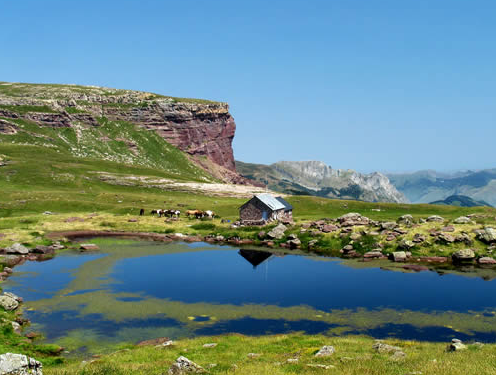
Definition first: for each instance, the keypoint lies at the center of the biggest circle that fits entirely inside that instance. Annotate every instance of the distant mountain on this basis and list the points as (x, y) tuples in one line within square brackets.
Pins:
[(317, 178), (461, 201), (430, 186)]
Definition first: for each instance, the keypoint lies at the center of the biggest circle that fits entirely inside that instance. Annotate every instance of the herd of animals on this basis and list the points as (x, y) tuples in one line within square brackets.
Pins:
[(198, 214)]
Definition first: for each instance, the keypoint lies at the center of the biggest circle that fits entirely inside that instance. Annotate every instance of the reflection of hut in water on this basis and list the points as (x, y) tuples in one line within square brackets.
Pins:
[(255, 257)]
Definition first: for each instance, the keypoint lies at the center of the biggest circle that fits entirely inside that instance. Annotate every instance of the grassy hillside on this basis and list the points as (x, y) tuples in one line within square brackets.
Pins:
[(462, 201)]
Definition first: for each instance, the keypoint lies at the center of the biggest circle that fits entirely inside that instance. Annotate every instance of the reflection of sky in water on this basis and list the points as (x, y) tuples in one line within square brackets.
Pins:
[(226, 277), (221, 276), (38, 280)]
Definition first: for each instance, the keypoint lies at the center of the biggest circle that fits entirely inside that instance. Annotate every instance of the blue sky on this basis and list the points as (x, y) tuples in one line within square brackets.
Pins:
[(364, 84)]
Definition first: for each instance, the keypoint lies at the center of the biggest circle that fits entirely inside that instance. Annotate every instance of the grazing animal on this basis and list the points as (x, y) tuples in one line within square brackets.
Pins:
[(142, 212), (153, 212), (209, 214), (194, 213)]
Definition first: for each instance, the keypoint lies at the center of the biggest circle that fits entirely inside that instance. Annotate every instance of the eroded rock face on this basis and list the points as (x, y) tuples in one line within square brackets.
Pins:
[(18, 364)]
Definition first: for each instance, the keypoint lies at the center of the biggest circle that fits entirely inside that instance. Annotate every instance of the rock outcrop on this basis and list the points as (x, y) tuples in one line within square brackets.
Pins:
[(18, 364), (200, 128)]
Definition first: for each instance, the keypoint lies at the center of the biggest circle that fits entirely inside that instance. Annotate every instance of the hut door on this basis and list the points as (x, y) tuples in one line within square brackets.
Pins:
[(265, 215)]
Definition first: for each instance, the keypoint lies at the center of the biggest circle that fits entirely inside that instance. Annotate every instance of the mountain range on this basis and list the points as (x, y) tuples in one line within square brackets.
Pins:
[(317, 178), (431, 186)]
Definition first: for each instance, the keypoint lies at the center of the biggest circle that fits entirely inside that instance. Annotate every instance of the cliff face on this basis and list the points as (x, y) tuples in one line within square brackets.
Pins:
[(202, 129), (317, 178)]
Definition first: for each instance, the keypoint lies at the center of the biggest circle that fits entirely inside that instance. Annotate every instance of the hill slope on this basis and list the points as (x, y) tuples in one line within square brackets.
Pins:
[(461, 201), (122, 125), (430, 186), (317, 178)]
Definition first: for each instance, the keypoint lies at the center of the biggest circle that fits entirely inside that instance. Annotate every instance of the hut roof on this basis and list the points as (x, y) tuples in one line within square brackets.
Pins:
[(287, 206), (270, 201)]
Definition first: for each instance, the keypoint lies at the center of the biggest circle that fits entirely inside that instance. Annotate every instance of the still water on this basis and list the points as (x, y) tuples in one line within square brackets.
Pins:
[(136, 290)]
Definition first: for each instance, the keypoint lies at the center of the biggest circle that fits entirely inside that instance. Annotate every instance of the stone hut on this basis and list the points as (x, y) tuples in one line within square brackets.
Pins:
[(263, 208)]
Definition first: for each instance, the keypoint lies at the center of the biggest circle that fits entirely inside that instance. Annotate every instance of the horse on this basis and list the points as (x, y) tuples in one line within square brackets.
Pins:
[(196, 213), (209, 214), (142, 212)]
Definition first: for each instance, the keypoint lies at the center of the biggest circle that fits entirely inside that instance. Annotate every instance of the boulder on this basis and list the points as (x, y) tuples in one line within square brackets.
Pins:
[(446, 238), (352, 219), (17, 248), (184, 365), (89, 247), (294, 243), (464, 255), (373, 254), (406, 220), (389, 225), (406, 244), (435, 218), (486, 260), (41, 249), (488, 235), (456, 345), (278, 232), (399, 256), (462, 220), (18, 364), (418, 238), (210, 345), (8, 302), (10, 260), (325, 351), (465, 238), (449, 228), (328, 228), (385, 348)]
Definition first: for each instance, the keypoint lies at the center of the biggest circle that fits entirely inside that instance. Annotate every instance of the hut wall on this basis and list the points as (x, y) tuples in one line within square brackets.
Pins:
[(252, 210)]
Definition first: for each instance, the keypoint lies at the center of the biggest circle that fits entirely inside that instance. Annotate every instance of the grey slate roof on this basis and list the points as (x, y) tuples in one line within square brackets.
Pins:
[(270, 201), (287, 206)]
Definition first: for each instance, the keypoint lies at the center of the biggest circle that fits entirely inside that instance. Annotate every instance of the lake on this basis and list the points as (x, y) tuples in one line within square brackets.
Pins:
[(138, 290)]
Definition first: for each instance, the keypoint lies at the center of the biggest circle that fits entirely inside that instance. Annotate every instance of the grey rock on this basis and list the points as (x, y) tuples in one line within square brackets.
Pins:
[(292, 360), (398, 355), (319, 366), (373, 254), (325, 351), (435, 218), (399, 256), (463, 255), (446, 238), (254, 355), (278, 232), (17, 248), (486, 260), (18, 364), (184, 365), (390, 225), (406, 244), (456, 345), (462, 220), (406, 220), (210, 345), (385, 348), (293, 244), (487, 235), (8, 303)]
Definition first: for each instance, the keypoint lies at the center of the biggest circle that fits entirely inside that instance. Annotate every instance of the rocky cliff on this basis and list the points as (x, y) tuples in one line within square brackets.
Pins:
[(203, 129), (317, 178)]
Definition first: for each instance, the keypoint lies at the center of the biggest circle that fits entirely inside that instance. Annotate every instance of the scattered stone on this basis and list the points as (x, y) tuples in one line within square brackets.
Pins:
[(41, 249), (18, 364), (406, 244), (211, 345), (292, 360), (254, 355), (390, 225), (446, 238), (435, 218), (390, 238), (278, 232), (132, 221), (418, 238), (218, 238), (294, 243), (17, 248), (184, 365), (465, 238), (486, 260), (11, 260), (462, 220), (373, 254), (328, 228), (8, 270), (16, 327), (89, 246), (399, 256), (8, 302), (385, 348), (400, 231), (352, 219), (487, 235), (323, 367), (463, 255), (47, 213), (456, 345), (449, 228), (325, 351), (406, 220)]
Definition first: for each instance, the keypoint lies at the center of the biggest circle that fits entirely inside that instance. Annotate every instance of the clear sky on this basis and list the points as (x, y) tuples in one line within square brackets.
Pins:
[(364, 84)]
